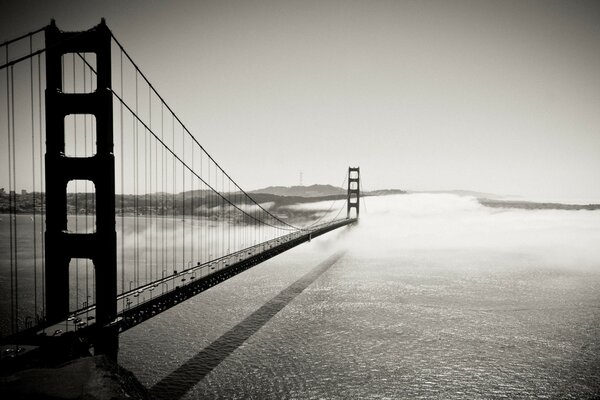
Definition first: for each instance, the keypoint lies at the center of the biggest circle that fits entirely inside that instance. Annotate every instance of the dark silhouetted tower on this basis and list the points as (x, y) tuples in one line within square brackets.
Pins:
[(353, 190), (61, 245)]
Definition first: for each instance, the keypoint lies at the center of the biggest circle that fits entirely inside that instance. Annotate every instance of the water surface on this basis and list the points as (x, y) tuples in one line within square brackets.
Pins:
[(434, 297)]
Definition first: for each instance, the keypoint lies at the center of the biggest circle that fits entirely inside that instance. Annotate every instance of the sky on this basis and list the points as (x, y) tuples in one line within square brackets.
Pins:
[(493, 96)]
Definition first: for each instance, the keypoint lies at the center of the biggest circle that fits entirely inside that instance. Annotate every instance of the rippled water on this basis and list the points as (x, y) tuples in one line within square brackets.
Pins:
[(433, 297)]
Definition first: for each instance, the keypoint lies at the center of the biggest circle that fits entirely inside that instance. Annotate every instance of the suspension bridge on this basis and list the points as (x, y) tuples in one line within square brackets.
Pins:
[(113, 212)]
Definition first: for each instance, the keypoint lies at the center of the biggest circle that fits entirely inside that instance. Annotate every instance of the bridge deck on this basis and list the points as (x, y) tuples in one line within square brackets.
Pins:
[(174, 289)]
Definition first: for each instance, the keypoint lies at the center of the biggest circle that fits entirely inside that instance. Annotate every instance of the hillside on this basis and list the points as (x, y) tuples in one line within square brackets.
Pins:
[(479, 195), (529, 205), (319, 191), (302, 191), (183, 203)]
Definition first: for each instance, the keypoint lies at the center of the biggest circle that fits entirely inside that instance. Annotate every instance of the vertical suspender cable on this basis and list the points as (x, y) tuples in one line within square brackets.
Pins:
[(33, 180), (229, 217), (209, 237), (183, 195), (199, 215), (163, 192), (10, 195), (148, 181), (76, 191), (135, 186), (42, 204), (156, 216), (174, 195), (122, 151), (14, 200), (146, 171), (192, 214), (216, 207), (135, 145), (222, 216), (203, 229), (86, 154)]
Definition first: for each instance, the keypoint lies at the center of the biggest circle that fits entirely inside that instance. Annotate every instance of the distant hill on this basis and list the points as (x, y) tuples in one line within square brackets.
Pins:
[(319, 191), (529, 205), (384, 192), (479, 195), (302, 191)]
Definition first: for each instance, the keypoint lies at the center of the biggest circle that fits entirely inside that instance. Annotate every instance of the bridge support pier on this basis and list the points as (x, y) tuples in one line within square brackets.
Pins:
[(62, 245)]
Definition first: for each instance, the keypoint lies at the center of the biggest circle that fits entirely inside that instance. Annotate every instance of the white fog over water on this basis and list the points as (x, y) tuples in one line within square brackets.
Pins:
[(435, 296), (438, 222)]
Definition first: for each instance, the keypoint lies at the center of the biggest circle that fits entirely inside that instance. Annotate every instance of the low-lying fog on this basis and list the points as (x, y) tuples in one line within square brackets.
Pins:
[(438, 223), (436, 297)]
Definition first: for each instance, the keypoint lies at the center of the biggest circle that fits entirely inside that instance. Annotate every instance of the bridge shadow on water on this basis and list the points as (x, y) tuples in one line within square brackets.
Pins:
[(183, 379)]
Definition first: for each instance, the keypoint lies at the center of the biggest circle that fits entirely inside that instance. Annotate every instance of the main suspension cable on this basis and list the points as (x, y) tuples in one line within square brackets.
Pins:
[(176, 157), (192, 137)]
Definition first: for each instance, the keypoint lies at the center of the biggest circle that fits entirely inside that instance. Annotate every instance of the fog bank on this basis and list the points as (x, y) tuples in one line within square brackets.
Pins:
[(445, 226)]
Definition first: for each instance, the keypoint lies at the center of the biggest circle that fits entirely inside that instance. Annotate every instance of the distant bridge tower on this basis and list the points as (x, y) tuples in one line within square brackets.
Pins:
[(61, 245), (353, 190)]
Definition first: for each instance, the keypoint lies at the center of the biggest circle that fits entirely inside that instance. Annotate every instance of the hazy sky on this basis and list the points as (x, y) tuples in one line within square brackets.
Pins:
[(498, 96)]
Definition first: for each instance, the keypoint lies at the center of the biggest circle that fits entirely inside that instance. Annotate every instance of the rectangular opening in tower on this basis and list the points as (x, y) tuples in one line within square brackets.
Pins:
[(80, 135), (79, 72), (81, 206), (82, 285)]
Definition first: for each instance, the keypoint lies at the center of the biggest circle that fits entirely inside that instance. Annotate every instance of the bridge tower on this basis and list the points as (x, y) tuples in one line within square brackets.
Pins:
[(61, 245), (353, 190)]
